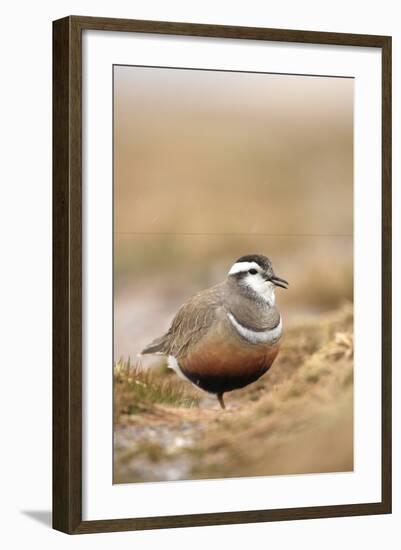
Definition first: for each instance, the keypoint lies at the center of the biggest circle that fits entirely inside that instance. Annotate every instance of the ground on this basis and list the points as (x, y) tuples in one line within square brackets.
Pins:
[(298, 418)]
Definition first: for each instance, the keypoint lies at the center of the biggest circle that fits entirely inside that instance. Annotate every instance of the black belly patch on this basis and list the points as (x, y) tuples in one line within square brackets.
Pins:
[(221, 384)]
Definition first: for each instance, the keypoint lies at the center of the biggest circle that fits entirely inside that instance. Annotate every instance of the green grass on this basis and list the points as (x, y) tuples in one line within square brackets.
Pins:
[(136, 390)]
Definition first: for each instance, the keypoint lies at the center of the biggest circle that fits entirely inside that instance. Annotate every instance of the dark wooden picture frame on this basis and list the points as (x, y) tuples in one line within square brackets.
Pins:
[(67, 274)]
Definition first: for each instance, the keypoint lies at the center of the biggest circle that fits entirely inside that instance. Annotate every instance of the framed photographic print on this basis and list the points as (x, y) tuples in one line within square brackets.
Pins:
[(222, 274)]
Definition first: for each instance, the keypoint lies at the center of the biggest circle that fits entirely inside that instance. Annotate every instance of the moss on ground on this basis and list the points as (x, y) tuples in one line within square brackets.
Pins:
[(298, 418)]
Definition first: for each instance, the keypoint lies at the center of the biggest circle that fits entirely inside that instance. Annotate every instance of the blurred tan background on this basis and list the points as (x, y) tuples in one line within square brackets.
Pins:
[(213, 165)]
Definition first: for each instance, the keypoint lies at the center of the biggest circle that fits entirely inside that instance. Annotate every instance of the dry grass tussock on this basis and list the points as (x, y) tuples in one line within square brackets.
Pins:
[(298, 418)]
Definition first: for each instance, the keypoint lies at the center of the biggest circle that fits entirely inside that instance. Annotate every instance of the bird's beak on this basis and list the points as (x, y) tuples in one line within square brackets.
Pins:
[(278, 281)]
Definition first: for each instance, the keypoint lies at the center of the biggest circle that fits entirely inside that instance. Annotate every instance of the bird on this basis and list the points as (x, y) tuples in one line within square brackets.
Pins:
[(226, 336)]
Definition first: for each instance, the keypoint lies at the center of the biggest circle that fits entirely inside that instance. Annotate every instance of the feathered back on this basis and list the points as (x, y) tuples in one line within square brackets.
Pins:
[(190, 324)]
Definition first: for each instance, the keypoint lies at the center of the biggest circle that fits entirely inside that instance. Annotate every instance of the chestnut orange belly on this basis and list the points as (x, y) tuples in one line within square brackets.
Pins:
[(225, 366)]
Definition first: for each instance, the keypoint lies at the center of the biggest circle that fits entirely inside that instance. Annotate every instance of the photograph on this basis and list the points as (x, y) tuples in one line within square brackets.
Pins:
[(198, 213), (232, 274)]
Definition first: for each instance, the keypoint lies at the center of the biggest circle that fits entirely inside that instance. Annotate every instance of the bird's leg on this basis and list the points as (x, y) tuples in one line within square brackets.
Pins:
[(221, 400)]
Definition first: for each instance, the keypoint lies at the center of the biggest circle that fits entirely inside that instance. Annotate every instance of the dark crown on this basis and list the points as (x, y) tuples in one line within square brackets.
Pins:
[(263, 261)]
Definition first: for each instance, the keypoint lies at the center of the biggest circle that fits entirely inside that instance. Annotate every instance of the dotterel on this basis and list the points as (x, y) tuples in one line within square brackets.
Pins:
[(227, 336)]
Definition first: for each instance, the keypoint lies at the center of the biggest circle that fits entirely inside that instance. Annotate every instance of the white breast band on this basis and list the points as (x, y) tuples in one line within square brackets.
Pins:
[(257, 337)]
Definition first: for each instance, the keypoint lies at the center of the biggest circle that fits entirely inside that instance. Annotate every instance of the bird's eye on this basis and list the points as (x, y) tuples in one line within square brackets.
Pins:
[(252, 271)]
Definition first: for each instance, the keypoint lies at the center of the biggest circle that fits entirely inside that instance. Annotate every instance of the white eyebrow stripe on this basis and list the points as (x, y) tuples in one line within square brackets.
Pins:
[(239, 267), (255, 337)]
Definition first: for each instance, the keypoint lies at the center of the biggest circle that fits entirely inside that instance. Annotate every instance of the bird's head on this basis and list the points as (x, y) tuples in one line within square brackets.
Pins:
[(255, 272)]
